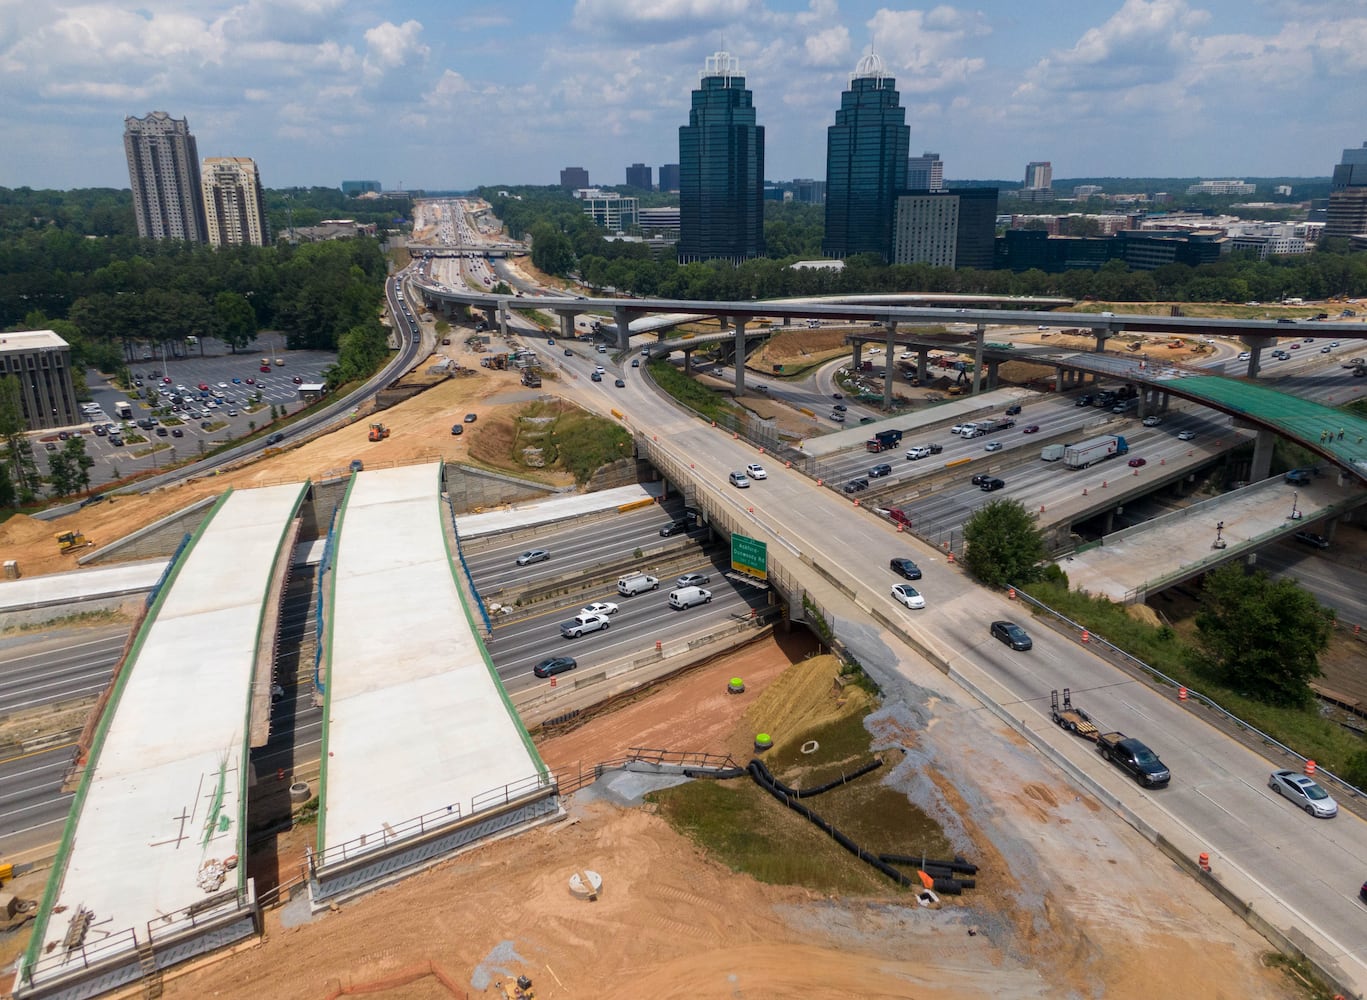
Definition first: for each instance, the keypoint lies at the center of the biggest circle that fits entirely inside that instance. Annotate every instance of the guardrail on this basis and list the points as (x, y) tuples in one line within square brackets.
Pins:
[(1119, 655)]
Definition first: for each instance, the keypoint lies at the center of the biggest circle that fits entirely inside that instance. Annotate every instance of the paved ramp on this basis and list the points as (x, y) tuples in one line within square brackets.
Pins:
[(423, 752), (146, 874)]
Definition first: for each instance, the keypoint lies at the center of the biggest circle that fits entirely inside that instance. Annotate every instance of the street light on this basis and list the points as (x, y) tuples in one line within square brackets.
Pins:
[(1220, 543), (1295, 514)]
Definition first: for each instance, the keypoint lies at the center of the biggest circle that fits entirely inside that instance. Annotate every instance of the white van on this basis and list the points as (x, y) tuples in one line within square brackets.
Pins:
[(636, 583), (686, 597)]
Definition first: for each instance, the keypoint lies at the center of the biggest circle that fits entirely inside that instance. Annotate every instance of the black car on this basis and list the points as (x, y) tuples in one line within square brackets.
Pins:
[(679, 527), (992, 484), (1083, 401), (880, 470), (855, 485), (204, 425), (275, 438), (980, 478), (457, 430), (620, 384), (554, 665), (906, 568), (1012, 634), (1310, 538)]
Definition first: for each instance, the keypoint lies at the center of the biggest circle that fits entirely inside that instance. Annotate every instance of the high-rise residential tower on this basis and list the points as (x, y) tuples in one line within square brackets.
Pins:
[(721, 169), (163, 169), (234, 206), (866, 164), (925, 172), (1039, 175)]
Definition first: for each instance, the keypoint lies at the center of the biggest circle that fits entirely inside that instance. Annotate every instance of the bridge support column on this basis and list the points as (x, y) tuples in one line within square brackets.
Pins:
[(688, 362), (1262, 455), (1255, 347), (890, 372), (978, 360), (502, 318), (992, 367), (1062, 380), (566, 325), (1100, 335), (740, 356), (623, 318), (858, 345), (921, 357)]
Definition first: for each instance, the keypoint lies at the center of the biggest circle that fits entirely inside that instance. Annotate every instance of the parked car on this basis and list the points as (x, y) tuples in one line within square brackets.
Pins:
[(1012, 634), (554, 665), (1305, 792), (908, 596), (905, 568), (457, 429), (533, 556)]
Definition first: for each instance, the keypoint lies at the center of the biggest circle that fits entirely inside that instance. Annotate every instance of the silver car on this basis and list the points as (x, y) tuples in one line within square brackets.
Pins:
[(693, 579), (1304, 791), (533, 556)]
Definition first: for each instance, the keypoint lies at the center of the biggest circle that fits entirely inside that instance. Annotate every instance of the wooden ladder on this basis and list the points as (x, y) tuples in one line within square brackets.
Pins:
[(151, 975)]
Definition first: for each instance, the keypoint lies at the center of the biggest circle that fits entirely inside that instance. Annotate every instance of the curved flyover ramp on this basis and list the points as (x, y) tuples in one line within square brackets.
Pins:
[(146, 875), (422, 752)]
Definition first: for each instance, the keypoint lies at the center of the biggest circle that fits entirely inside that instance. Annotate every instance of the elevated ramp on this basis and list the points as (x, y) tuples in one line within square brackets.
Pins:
[(147, 874), (423, 753)]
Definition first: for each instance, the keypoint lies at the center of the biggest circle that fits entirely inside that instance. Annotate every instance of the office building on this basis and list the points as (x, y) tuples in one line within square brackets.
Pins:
[(1346, 214), (669, 177), (1221, 187), (163, 170), (638, 176), (234, 207), (41, 361), (925, 172), (866, 164), (1351, 171), (574, 178), (608, 209), (1086, 190), (952, 227), (353, 188), (809, 191), (1039, 175), (721, 169), (662, 222)]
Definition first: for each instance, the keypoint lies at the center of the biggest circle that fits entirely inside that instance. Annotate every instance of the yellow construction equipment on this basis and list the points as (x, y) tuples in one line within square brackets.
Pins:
[(69, 541), (378, 432)]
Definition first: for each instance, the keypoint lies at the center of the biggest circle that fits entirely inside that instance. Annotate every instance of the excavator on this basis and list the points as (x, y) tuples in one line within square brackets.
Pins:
[(378, 432), (70, 541)]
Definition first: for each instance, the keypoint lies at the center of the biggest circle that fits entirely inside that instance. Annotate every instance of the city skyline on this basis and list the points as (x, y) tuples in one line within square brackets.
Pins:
[(404, 90)]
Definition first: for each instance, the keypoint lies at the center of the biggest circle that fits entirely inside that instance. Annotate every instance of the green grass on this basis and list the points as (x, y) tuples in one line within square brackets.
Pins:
[(1303, 729), (745, 828), (690, 392)]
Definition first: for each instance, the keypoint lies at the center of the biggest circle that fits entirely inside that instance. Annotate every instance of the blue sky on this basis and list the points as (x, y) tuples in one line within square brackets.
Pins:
[(443, 94)]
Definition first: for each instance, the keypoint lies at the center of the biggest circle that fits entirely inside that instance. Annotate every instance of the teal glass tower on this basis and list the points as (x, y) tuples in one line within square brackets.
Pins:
[(866, 164), (721, 169)]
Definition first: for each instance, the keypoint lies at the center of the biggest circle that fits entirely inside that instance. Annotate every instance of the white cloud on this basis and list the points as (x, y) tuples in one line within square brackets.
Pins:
[(659, 20), (830, 47), (390, 47), (926, 51)]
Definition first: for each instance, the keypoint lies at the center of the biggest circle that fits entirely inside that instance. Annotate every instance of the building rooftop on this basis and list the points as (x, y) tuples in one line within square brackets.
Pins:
[(30, 340)]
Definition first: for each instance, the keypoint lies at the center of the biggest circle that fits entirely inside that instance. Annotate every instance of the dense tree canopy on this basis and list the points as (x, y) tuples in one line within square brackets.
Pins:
[(1003, 545), (1261, 636)]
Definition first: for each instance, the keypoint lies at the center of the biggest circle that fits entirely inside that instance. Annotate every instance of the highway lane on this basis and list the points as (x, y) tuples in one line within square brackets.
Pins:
[(33, 806), (65, 665), (1218, 797)]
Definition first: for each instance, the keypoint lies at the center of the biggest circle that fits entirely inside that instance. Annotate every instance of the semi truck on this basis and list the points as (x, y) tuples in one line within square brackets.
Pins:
[(1052, 452), (883, 440), (1093, 450), (995, 424)]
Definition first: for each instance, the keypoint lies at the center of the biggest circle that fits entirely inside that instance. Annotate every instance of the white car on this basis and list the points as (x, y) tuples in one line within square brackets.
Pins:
[(1186, 435), (1244, 355), (1305, 792), (959, 428), (1152, 420), (916, 453), (756, 472), (992, 446), (908, 596), (599, 608)]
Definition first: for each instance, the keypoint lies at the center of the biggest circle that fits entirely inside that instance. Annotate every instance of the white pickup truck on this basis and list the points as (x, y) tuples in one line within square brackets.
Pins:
[(582, 623)]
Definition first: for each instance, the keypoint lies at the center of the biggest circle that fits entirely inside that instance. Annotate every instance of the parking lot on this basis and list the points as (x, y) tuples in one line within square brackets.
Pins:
[(226, 409)]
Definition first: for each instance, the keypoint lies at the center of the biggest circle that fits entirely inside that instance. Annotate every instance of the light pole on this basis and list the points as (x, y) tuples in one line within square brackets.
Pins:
[(1295, 514)]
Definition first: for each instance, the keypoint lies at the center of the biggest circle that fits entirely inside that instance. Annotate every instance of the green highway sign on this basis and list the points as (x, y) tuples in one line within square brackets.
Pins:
[(750, 556)]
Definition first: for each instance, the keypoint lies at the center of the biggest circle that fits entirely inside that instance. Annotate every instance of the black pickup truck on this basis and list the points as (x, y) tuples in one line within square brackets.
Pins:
[(1134, 758)]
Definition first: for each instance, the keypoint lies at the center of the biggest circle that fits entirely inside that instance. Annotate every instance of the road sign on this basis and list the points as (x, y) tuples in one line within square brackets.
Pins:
[(750, 556)]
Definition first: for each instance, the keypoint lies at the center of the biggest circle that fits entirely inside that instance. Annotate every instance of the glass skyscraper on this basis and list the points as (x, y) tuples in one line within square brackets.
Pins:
[(866, 164), (721, 169)]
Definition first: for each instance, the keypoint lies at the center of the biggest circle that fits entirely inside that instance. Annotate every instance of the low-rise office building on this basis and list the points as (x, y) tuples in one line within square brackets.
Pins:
[(41, 362)]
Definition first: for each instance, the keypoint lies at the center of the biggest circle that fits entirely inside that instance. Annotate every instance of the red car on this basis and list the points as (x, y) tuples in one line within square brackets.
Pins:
[(1137, 462), (249, 380), (297, 380), (265, 368), (1032, 429), (204, 387), (166, 379)]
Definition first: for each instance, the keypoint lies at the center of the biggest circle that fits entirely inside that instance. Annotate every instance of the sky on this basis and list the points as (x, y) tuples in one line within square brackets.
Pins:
[(450, 94)]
